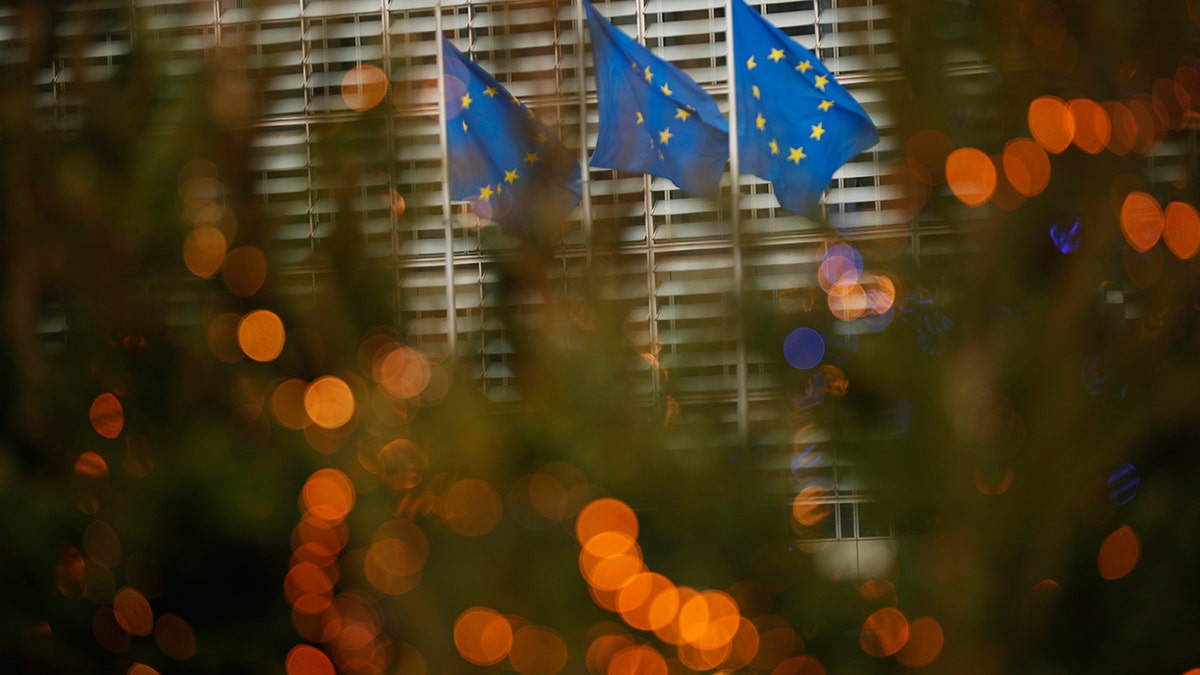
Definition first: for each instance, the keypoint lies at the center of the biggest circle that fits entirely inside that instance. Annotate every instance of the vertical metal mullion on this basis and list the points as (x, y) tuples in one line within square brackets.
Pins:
[(390, 129), (585, 177), (651, 262), (447, 221), (743, 399)]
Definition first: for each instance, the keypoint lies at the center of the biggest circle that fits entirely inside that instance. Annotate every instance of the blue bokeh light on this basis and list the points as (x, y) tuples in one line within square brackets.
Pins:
[(1066, 235), (803, 348), (1123, 484)]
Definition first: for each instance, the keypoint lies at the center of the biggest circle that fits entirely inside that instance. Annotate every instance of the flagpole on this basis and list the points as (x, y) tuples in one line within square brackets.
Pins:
[(743, 401), (447, 222), (585, 177)]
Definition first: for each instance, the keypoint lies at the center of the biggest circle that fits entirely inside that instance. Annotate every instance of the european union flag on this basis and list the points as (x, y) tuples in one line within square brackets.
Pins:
[(503, 161), (654, 118), (796, 125)]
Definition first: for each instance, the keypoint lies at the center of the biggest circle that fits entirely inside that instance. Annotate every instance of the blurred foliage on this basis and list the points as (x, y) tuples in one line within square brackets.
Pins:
[(1013, 383)]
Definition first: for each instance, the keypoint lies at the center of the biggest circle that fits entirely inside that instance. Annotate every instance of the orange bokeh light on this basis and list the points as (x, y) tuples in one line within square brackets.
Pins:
[(606, 514), (602, 649), (1026, 166), (927, 151), (925, 639), (1124, 128), (537, 650), (670, 633), (1171, 101), (471, 507), (222, 337), (1150, 130), (744, 646), (174, 637), (709, 620), (102, 545), (133, 612), (777, 641), (971, 176), (884, 633), (483, 636), (848, 301), (1051, 123), (260, 334), (403, 371), (204, 251), (70, 573), (308, 660), (328, 495), (329, 402), (1093, 129), (400, 463), (1119, 553), (393, 564), (363, 87), (639, 660), (108, 633), (612, 572), (1141, 221), (800, 665), (287, 404), (648, 601), (809, 507), (244, 271), (1181, 230), (308, 588), (141, 669), (91, 465), (107, 415)]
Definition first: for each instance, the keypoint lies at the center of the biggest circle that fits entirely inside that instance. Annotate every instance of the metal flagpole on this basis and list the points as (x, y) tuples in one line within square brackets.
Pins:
[(584, 173), (447, 221), (743, 401)]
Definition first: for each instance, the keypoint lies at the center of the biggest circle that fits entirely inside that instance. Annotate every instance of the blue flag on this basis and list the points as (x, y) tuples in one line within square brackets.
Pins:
[(503, 161), (796, 125), (654, 118)]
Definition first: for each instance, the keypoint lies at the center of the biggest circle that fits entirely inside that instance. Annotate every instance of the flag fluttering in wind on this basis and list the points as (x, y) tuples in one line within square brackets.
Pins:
[(503, 161), (796, 125), (654, 118)]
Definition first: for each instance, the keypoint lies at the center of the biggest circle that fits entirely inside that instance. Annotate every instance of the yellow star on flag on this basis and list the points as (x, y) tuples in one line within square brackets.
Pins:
[(540, 137), (776, 55), (750, 64), (754, 90), (665, 135), (485, 192), (490, 91), (666, 90), (510, 176), (464, 125), (796, 154), (817, 131), (804, 66), (640, 118), (774, 147), (760, 122), (825, 105), (466, 101), (821, 82), (532, 157), (681, 114), (649, 75)]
